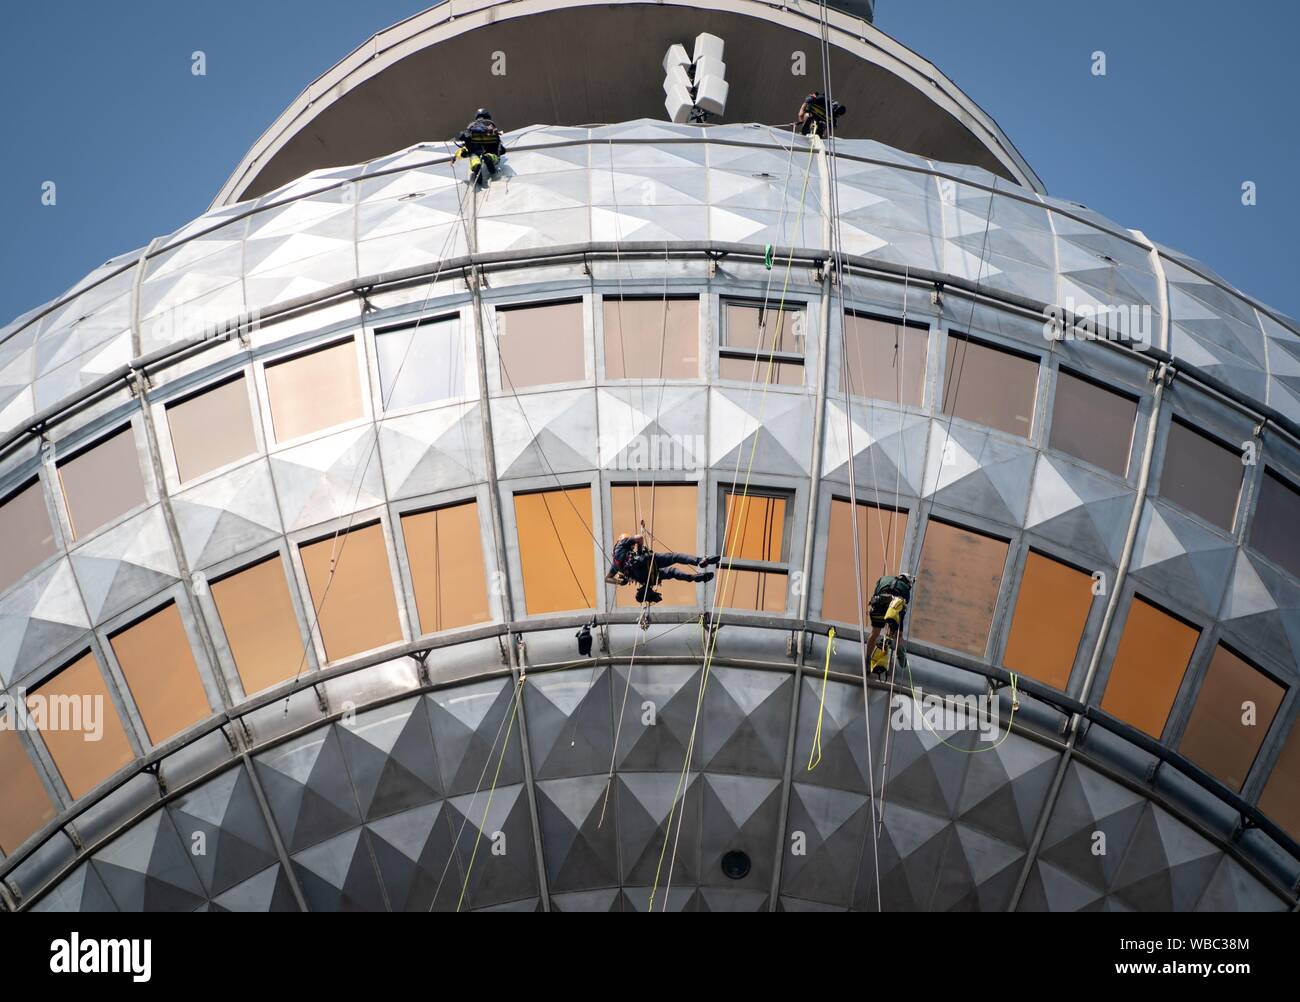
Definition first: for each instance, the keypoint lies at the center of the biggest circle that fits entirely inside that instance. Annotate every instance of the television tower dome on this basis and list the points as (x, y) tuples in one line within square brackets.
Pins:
[(311, 510)]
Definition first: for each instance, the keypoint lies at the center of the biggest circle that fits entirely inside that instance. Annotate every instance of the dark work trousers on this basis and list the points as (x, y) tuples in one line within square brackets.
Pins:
[(665, 571)]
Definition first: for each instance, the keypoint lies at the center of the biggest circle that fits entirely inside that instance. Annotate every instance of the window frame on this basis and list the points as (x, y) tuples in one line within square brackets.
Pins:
[(1215, 439), (452, 314), (1014, 349), (758, 357), (1098, 383), (1189, 694), (1013, 588), (161, 411), (410, 595), (355, 335), (22, 486), (698, 296), (323, 533), (1278, 473), (74, 537), (492, 351), (787, 494), (926, 328)]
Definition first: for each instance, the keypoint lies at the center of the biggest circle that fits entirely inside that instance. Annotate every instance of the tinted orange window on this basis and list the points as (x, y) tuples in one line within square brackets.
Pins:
[(1092, 423), (539, 345), (27, 807), (261, 626), (752, 590), (669, 513), (1149, 667), (880, 545), (1051, 613), (102, 483), (556, 550), (159, 669), (884, 361), (989, 386), (641, 343), (82, 761), (26, 534), (212, 429), (957, 588), (314, 392), (1201, 476), (1276, 516), (755, 527), (444, 549), (1233, 712), (356, 611), (1279, 800)]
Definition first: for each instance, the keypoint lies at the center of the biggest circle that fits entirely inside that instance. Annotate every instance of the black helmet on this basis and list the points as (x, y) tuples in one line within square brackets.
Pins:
[(907, 579), (482, 113)]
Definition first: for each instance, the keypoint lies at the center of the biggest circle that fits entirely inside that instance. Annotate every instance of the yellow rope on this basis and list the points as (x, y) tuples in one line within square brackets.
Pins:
[(815, 755), (1015, 701)]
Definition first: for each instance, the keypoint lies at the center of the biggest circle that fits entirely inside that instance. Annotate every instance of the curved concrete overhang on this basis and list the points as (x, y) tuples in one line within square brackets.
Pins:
[(577, 62)]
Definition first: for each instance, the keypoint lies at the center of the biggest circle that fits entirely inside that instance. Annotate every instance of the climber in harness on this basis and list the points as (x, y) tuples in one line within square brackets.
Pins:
[(635, 563), (481, 142), (812, 114), (888, 610)]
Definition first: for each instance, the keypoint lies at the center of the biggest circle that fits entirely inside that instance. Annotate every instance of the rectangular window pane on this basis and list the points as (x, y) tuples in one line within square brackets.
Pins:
[(753, 591), (881, 534), (755, 527), (642, 343), (884, 361), (27, 807), (752, 328), (25, 530), (957, 588), (755, 370), (444, 549), (1092, 423), (159, 669), (421, 365), (1279, 800), (1149, 667), (1201, 476), (668, 512), (557, 552), (102, 484), (1051, 613), (85, 756), (212, 429), (314, 392), (1221, 737), (261, 626), (1277, 514), (356, 609), (540, 345), (989, 386), (748, 327)]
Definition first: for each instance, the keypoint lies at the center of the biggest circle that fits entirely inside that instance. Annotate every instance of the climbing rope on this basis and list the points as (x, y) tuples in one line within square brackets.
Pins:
[(725, 577), (838, 251), (337, 548), (815, 755)]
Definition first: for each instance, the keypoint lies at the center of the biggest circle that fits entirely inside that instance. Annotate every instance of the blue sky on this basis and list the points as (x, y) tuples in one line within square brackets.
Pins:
[(1199, 97)]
